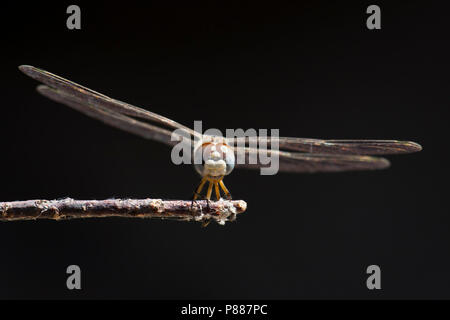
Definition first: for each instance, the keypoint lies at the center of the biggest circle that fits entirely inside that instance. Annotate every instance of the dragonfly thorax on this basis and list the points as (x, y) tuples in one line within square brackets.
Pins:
[(214, 157)]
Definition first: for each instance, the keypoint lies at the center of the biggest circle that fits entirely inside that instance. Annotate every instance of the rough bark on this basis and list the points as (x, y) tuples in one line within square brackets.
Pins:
[(184, 210)]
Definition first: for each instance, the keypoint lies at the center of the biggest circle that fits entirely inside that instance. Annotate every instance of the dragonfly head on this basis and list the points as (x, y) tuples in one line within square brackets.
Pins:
[(217, 157)]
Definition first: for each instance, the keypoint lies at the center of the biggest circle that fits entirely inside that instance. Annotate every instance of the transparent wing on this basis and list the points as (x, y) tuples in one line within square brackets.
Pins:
[(319, 146), (296, 162), (115, 119), (322, 156), (71, 94)]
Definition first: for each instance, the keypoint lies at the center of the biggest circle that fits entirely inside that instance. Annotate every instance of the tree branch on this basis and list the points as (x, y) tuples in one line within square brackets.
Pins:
[(184, 210)]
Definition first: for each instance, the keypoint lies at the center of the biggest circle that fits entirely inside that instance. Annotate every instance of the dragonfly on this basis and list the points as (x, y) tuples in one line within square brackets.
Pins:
[(296, 155)]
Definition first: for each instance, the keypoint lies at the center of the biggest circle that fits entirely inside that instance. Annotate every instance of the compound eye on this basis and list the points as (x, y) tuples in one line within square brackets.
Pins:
[(228, 156)]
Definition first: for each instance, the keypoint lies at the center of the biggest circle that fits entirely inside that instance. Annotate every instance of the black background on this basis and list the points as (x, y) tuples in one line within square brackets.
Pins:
[(311, 69)]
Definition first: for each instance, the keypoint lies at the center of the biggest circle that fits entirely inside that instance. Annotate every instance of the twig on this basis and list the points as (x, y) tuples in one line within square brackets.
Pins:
[(185, 210)]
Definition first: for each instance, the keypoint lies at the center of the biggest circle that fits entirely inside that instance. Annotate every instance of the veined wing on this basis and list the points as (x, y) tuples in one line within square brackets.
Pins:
[(296, 162), (319, 146), (73, 94), (118, 114), (114, 119)]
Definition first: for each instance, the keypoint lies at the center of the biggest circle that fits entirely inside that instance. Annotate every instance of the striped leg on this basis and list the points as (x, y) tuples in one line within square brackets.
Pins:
[(199, 188), (227, 193), (216, 187)]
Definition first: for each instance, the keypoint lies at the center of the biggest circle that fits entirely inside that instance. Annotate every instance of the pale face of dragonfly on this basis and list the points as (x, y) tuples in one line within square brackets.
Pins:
[(217, 157), (296, 155)]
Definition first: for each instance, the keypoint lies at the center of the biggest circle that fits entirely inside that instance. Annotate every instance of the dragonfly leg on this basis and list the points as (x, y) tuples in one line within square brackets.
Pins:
[(227, 193), (208, 194), (197, 193), (198, 190), (216, 187)]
